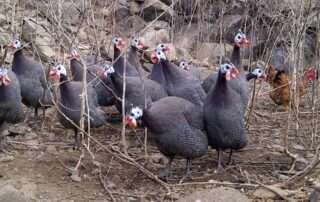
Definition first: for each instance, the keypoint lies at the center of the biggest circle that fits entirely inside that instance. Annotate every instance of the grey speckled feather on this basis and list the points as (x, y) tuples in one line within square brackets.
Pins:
[(223, 114), (70, 104), (11, 108), (105, 96), (240, 84), (177, 82), (32, 81), (134, 90), (178, 127)]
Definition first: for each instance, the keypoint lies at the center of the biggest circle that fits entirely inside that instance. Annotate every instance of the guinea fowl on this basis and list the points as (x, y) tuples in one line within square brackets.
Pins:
[(240, 84), (135, 93), (223, 114), (120, 62), (191, 69), (105, 96), (133, 58), (176, 81), (11, 108), (178, 128), (31, 76), (70, 103), (258, 73)]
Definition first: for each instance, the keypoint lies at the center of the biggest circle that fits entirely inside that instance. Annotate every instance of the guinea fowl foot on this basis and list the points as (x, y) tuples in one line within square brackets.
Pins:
[(187, 175), (164, 173)]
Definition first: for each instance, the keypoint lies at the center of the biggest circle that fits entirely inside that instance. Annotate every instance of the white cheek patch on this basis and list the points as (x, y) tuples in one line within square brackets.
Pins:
[(137, 113)]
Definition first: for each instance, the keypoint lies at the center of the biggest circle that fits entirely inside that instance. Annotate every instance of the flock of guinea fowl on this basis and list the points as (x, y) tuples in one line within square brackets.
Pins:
[(182, 114)]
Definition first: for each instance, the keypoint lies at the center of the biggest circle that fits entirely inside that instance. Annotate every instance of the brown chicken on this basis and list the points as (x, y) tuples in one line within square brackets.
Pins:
[(280, 83)]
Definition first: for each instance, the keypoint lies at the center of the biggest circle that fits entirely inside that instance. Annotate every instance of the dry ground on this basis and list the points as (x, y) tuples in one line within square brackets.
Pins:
[(36, 160)]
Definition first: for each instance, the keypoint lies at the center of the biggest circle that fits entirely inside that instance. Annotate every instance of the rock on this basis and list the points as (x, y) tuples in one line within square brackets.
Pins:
[(232, 23), (3, 20), (215, 195), (6, 158), (152, 8), (9, 194), (51, 149), (168, 2), (264, 193), (32, 30), (43, 45), (30, 136), (133, 23), (4, 38), (159, 24), (153, 37), (212, 52), (75, 176), (121, 10)]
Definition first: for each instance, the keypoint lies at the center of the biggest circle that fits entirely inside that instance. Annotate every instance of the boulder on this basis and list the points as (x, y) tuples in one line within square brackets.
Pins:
[(121, 10), (159, 24), (215, 195), (32, 31), (4, 38), (8, 194), (212, 52), (132, 24), (153, 37), (232, 23), (151, 9)]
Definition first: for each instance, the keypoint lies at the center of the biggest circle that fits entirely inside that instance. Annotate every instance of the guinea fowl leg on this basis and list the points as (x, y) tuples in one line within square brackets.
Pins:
[(76, 137), (230, 160), (220, 167), (36, 112), (187, 175), (165, 173)]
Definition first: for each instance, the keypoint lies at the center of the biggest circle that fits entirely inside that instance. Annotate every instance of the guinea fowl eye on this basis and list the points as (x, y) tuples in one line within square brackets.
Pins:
[(239, 37), (136, 40), (159, 53), (259, 71), (162, 45), (16, 42), (131, 114), (116, 40)]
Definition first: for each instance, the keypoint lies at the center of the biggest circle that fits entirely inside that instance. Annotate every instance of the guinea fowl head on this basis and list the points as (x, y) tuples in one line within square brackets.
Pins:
[(157, 56), (184, 65), (162, 47), (74, 54), (118, 42), (14, 45), (259, 74), (137, 42), (240, 39), (132, 115), (57, 71), (4, 78), (228, 70), (105, 70)]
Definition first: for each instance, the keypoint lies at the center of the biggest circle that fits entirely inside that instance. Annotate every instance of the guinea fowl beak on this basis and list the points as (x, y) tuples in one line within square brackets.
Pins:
[(132, 122), (6, 80), (262, 77), (54, 74), (140, 45), (121, 45), (186, 67), (11, 47), (154, 58), (234, 72), (101, 73)]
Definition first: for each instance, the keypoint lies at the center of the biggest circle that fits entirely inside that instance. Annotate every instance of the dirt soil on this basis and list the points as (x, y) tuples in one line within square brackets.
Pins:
[(39, 155)]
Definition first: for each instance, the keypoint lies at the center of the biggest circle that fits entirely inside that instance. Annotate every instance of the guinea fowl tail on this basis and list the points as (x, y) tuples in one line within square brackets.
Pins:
[(98, 118)]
